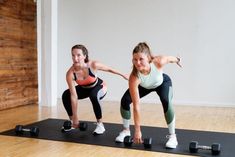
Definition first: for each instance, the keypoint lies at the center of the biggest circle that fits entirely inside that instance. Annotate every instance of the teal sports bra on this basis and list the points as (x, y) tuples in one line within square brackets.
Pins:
[(153, 79)]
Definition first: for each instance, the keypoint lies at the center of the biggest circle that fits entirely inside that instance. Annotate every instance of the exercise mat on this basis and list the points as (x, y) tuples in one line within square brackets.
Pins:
[(50, 129)]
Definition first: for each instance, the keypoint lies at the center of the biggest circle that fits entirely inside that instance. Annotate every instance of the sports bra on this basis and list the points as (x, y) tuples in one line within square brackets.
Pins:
[(153, 79), (89, 81)]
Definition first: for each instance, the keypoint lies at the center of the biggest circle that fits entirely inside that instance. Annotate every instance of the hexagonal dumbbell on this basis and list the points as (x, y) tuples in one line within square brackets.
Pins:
[(128, 141), (67, 126), (194, 147), (20, 129)]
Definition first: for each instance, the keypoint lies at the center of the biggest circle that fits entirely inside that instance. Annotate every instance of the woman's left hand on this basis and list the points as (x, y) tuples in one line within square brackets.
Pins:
[(178, 62), (126, 77)]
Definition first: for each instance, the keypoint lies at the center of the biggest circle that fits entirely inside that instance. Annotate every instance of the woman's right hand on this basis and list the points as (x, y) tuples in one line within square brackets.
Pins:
[(75, 122), (138, 137)]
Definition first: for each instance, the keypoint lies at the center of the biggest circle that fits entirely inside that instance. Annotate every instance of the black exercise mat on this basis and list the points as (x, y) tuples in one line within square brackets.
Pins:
[(50, 129)]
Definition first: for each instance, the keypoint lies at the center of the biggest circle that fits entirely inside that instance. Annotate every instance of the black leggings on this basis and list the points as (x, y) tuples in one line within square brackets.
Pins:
[(165, 93), (95, 94)]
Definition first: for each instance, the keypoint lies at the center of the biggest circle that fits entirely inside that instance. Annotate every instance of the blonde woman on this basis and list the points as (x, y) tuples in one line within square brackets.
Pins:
[(147, 76)]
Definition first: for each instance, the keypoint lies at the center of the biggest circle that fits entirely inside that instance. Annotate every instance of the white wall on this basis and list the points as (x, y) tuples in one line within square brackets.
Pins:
[(200, 31), (47, 52)]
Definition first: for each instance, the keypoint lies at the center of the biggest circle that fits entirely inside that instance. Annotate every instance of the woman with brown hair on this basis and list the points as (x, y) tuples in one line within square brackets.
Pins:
[(83, 83)]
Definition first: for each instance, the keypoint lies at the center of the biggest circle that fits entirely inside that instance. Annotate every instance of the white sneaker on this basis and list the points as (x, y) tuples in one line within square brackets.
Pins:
[(122, 135), (172, 141), (99, 129)]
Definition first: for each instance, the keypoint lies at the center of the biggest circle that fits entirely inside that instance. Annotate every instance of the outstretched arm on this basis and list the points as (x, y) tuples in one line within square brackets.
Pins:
[(99, 66), (160, 61)]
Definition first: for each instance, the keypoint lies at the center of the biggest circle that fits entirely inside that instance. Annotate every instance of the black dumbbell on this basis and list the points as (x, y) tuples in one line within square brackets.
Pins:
[(215, 147), (19, 129), (68, 125), (128, 140)]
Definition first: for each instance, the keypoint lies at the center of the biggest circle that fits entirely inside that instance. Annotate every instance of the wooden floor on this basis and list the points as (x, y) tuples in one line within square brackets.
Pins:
[(187, 117)]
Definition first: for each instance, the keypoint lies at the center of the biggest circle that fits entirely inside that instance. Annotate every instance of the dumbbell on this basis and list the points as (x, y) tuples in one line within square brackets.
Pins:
[(128, 140), (19, 129), (215, 147), (68, 125)]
